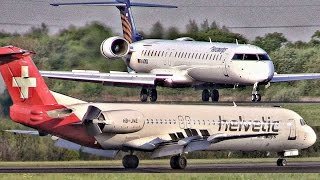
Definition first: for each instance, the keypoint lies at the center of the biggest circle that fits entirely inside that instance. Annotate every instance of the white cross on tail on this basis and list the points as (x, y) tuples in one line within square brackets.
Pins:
[(24, 82)]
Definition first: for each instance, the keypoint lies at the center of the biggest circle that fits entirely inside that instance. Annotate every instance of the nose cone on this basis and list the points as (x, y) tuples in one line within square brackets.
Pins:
[(259, 71), (311, 136), (266, 72)]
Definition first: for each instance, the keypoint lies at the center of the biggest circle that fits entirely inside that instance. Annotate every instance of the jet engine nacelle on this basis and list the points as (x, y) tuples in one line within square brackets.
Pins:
[(114, 47), (121, 121)]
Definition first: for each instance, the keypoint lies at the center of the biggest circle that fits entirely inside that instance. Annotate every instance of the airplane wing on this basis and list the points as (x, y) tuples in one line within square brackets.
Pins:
[(113, 78), (295, 77), (197, 143)]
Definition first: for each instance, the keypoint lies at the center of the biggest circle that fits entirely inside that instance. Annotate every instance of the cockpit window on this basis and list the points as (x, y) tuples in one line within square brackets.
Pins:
[(237, 57), (302, 122), (251, 57), (263, 57)]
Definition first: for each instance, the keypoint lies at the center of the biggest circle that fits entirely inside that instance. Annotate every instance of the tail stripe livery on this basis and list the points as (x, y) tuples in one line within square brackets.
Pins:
[(128, 27)]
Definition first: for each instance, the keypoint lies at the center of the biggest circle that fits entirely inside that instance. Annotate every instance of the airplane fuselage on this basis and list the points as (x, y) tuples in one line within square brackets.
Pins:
[(158, 124), (193, 62)]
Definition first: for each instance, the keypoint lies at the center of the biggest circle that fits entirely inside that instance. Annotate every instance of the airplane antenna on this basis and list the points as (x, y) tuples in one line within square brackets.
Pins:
[(234, 104), (237, 42)]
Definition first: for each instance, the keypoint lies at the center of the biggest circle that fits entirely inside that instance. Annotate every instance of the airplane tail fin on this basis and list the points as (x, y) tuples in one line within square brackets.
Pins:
[(130, 32), (22, 78)]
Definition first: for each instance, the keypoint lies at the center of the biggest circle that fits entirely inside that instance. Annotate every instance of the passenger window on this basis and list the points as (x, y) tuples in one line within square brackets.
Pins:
[(250, 57)]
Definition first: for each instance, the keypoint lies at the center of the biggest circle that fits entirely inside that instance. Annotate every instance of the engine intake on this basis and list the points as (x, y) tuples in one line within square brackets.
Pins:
[(114, 47)]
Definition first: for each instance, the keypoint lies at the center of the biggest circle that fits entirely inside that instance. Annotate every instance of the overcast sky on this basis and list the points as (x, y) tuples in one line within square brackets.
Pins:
[(19, 15)]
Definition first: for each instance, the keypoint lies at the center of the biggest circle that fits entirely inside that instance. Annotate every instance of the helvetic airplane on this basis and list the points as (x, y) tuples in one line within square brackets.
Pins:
[(165, 130), (179, 63)]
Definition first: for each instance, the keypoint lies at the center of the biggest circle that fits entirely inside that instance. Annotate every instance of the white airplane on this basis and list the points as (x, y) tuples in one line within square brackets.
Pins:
[(179, 63), (164, 130)]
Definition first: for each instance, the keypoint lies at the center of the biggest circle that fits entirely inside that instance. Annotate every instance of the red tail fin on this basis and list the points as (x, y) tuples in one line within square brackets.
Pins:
[(22, 78)]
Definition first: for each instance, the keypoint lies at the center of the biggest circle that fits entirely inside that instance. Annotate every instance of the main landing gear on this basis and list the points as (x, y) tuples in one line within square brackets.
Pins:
[(130, 161), (151, 93), (178, 162), (206, 94), (255, 97)]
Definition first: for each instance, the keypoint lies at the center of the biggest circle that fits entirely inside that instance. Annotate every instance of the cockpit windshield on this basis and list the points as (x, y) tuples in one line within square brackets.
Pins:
[(302, 122), (251, 57)]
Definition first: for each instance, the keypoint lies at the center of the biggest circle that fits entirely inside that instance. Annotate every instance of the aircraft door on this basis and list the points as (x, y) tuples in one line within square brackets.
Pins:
[(181, 122), (292, 132), (188, 122), (225, 71)]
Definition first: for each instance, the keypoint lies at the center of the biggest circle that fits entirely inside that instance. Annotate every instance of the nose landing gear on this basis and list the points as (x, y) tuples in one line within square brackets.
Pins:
[(151, 93), (206, 94), (255, 97)]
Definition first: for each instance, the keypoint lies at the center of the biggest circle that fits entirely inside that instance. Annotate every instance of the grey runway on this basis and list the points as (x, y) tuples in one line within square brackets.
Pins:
[(293, 167)]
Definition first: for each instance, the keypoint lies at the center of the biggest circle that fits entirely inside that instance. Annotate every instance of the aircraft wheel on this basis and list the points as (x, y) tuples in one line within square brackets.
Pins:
[(178, 162), (144, 95), (205, 95), (281, 162), (215, 95), (258, 97), (130, 161), (253, 98), (153, 95)]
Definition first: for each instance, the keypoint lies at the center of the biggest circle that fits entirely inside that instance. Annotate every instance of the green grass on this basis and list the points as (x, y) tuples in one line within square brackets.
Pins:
[(184, 176)]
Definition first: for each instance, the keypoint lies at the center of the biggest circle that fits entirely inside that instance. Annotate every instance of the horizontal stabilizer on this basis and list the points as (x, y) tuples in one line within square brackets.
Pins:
[(89, 3), (114, 3), (29, 132), (10, 56)]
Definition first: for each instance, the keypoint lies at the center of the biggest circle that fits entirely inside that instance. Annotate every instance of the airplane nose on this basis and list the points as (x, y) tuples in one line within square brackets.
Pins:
[(264, 72), (311, 136)]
